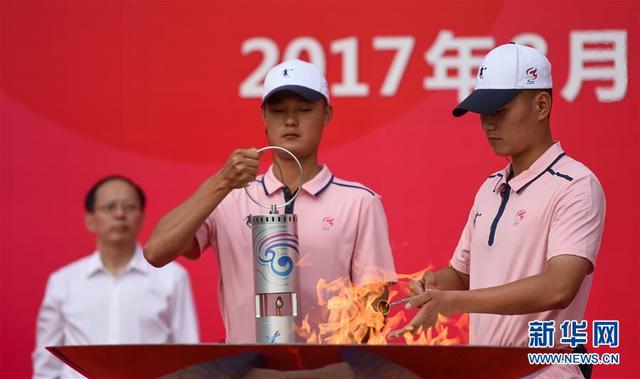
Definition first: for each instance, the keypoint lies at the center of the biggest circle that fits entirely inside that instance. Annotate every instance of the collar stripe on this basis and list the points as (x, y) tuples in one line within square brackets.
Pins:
[(324, 188), (556, 173), (352, 186), (542, 173)]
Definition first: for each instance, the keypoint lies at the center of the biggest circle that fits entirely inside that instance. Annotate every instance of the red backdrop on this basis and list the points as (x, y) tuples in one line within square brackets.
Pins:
[(162, 92)]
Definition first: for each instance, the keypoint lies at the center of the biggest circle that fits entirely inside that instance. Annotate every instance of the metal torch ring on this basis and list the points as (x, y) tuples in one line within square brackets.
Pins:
[(274, 206)]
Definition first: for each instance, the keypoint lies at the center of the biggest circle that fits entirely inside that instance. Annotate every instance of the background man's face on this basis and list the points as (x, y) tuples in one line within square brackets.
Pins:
[(117, 217)]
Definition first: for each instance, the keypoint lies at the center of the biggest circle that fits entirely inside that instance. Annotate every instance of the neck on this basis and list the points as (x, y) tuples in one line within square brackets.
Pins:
[(115, 257), (522, 161), (287, 171)]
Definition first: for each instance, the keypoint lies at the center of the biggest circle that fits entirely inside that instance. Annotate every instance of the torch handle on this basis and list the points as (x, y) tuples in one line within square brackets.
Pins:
[(273, 208)]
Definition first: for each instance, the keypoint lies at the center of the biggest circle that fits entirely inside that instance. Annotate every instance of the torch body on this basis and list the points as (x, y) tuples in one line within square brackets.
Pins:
[(276, 254)]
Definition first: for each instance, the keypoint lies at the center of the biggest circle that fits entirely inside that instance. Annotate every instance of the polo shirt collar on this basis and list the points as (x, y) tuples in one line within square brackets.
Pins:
[(535, 171), (137, 263), (271, 184)]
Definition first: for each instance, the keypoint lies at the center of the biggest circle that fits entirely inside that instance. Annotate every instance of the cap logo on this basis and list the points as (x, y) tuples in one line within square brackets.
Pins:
[(285, 72), (531, 75), (481, 73)]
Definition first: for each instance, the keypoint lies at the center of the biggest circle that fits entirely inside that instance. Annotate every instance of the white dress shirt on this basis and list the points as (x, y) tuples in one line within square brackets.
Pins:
[(85, 304)]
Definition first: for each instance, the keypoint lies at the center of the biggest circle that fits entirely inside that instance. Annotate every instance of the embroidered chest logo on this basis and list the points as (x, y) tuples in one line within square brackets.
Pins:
[(475, 218), (247, 220), (327, 223), (519, 217)]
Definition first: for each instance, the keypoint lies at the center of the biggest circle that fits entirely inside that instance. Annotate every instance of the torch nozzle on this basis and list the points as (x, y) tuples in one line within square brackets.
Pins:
[(384, 307)]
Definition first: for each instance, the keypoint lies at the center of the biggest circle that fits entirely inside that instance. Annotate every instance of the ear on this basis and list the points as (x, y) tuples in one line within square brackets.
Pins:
[(543, 105), (89, 222), (328, 113)]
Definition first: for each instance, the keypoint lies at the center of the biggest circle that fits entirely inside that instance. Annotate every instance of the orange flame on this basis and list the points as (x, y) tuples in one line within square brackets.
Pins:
[(352, 318)]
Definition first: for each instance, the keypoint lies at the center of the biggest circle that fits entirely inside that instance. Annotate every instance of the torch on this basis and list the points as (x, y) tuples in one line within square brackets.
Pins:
[(384, 306), (275, 253)]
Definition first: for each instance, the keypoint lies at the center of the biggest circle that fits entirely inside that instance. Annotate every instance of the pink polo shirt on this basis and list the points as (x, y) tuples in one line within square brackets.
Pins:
[(342, 231), (556, 207)]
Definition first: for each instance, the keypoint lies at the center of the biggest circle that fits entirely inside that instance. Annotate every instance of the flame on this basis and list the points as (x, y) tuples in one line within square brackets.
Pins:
[(439, 335), (352, 318)]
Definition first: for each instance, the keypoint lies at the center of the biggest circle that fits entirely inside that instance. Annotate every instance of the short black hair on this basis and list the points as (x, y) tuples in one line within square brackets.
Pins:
[(90, 199)]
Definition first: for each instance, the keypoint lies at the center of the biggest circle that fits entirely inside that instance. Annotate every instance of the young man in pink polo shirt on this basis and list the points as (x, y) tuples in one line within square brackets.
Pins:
[(530, 244), (341, 225)]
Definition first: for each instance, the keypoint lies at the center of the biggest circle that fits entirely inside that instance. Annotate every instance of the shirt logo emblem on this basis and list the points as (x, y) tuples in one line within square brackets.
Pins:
[(327, 223), (247, 220), (519, 217), (475, 218)]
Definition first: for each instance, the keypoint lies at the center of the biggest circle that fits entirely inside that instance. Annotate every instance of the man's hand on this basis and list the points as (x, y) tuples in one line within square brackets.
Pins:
[(174, 235), (417, 287), (431, 303), (422, 292), (240, 169)]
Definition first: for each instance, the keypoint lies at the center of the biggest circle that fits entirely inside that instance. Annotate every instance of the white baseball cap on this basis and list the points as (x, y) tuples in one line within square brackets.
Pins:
[(297, 76), (505, 71)]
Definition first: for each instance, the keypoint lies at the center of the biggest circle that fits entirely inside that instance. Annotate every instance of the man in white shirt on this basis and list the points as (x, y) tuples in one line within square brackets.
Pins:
[(113, 296)]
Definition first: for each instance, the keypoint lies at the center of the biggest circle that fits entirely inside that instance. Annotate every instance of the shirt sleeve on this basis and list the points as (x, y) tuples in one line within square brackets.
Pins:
[(578, 221), (49, 331), (461, 258), (184, 321), (207, 232), (372, 259)]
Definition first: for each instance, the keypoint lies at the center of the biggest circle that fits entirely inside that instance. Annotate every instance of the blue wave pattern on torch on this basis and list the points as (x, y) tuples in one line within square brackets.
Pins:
[(283, 266)]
